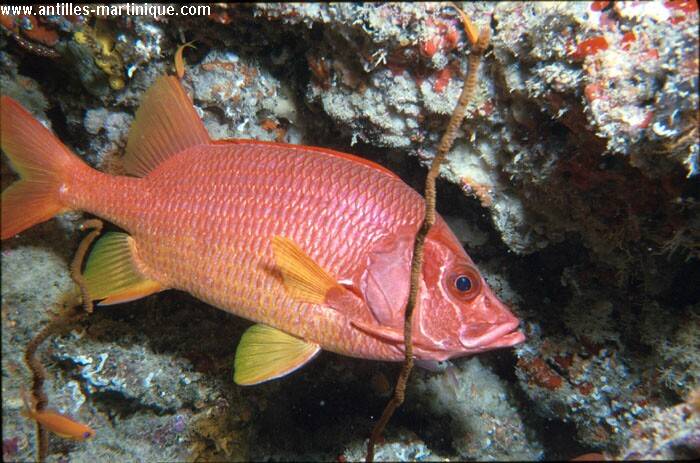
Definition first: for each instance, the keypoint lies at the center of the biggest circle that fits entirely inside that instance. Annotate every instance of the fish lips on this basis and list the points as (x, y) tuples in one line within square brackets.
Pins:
[(477, 337)]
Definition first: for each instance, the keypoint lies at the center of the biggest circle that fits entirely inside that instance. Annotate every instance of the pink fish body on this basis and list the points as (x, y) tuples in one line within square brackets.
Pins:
[(313, 245)]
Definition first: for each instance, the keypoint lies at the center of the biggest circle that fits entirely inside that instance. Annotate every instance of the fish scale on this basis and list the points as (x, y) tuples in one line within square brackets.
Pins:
[(314, 245), (226, 202)]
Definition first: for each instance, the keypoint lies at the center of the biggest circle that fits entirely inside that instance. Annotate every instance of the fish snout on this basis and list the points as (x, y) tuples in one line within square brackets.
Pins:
[(489, 335), (497, 328)]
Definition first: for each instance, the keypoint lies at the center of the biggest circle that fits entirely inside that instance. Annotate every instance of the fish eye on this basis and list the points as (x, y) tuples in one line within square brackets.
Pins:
[(463, 282), (87, 434)]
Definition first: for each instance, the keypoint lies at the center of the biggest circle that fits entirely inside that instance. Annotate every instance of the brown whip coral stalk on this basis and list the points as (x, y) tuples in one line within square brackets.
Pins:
[(39, 372), (38, 395), (428, 221), (59, 323), (76, 265)]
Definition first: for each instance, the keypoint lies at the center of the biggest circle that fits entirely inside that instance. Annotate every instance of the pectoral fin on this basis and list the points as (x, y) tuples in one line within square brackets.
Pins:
[(383, 333), (434, 366), (265, 353), (388, 334), (111, 274), (303, 278)]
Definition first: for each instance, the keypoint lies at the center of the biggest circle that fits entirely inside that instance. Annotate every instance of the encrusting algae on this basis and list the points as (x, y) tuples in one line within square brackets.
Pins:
[(99, 39)]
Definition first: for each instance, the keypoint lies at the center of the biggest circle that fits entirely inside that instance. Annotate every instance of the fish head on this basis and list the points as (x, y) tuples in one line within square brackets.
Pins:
[(457, 313)]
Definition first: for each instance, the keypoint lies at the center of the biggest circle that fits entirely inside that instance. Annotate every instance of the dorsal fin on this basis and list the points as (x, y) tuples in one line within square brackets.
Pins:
[(166, 123)]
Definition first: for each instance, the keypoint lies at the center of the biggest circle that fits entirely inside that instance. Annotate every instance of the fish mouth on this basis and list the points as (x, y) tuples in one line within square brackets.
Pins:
[(483, 336)]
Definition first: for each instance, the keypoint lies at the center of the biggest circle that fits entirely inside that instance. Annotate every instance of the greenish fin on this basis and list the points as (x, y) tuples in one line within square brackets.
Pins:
[(111, 274), (266, 353), (303, 278)]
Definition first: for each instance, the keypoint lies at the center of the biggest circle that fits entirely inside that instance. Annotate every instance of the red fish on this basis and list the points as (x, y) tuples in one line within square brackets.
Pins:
[(313, 245), (57, 423)]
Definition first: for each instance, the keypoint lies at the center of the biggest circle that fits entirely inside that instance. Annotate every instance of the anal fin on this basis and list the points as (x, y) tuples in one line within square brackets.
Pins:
[(266, 353), (111, 274)]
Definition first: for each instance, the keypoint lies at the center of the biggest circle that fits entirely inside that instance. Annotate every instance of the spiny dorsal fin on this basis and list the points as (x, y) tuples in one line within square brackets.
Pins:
[(303, 279), (110, 273), (266, 353), (166, 123)]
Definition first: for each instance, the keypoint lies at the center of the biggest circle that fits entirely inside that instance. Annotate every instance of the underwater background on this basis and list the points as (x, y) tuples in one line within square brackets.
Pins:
[(573, 186)]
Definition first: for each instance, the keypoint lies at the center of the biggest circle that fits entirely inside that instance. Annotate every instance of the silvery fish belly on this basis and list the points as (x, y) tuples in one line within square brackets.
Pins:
[(312, 244)]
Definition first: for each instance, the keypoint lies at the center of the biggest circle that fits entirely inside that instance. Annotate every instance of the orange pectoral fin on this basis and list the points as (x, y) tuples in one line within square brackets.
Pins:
[(303, 278), (383, 333), (388, 334)]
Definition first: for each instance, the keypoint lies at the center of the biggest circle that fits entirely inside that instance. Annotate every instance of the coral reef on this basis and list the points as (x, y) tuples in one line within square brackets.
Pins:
[(485, 424), (668, 434), (22, 88), (405, 446), (239, 99), (573, 186)]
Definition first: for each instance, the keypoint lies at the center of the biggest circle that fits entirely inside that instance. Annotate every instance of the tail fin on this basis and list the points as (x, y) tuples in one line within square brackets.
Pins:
[(42, 162)]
